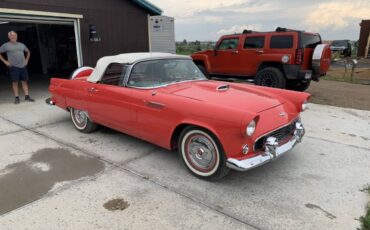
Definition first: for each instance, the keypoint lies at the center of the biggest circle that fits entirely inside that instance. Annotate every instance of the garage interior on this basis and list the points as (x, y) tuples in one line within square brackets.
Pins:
[(53, 51)]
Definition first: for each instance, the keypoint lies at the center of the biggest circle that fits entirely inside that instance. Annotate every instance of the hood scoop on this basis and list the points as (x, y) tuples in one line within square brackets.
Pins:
[(222, 88)]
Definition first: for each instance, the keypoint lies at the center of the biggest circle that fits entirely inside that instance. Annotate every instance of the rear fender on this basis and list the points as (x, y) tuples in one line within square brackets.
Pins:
[(203, 60), (67, 93)]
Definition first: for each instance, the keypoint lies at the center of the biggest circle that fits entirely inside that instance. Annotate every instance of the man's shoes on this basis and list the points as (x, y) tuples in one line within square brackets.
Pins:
[(16, 101), (28, 98)]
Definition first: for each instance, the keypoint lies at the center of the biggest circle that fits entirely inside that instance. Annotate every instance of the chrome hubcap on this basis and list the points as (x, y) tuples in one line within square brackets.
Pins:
[(201, 152), (80, 117)]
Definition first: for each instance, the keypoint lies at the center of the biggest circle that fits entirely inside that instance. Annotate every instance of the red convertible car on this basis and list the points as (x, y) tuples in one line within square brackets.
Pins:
[(166, 100)]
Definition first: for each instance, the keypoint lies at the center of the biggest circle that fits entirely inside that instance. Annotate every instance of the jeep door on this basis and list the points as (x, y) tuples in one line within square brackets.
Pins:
[(250, 55), (225, 57)]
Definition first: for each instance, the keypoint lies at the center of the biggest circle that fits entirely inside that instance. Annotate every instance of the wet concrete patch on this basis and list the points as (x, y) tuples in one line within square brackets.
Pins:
[(27, 181), (116, 204)]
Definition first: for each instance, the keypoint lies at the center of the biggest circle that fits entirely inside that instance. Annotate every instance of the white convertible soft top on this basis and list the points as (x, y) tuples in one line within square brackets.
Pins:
[(128, 58)]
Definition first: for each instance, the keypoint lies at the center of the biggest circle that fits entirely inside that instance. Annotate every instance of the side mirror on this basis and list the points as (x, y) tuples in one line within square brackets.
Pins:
[(215, 51)]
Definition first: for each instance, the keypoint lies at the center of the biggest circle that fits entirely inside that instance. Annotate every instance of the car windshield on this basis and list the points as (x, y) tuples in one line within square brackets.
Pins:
[(339, 43), (157, 73), (310, 40)]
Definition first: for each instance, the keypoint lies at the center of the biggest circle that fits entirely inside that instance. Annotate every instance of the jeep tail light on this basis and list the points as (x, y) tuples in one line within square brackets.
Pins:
[(299, 56)]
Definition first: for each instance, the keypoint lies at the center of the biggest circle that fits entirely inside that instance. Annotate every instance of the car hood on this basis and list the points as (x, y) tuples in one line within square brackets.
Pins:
[(226, 95)]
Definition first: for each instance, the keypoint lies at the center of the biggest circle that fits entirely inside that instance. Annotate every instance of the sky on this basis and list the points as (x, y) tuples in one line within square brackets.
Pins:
[(207, 20)]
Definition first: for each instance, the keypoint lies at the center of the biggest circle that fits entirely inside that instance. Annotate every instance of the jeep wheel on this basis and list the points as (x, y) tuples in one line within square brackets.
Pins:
[(271, 77), (203, 70), (298, 85)]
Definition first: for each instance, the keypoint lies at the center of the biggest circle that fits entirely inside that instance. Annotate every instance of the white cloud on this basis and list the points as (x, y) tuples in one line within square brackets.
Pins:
[(213, 19), (239, 29), (208, 19), (338, 14)]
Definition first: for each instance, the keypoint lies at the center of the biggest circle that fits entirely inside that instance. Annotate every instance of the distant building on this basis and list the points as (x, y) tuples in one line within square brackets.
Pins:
[(64, 34), (364, 41)]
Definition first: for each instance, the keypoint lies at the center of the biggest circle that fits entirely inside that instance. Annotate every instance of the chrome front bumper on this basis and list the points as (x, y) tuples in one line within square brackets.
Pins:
[(272, 151)]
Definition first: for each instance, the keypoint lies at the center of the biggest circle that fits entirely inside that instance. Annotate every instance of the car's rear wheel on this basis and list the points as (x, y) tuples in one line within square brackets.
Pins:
[(202, 153), (271, 77), (82, 121), (203, 70), (299, 85)]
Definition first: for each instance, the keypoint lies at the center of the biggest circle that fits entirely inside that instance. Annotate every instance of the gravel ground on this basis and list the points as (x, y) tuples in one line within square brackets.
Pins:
[(340, 94)]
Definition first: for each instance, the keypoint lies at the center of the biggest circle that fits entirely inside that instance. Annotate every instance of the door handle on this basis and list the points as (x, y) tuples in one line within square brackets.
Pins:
[(93, 90), (155, 105), (235, 52), (259, 51)]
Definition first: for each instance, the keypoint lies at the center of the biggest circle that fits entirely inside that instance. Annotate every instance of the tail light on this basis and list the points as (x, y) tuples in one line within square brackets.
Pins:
[(299, 56)]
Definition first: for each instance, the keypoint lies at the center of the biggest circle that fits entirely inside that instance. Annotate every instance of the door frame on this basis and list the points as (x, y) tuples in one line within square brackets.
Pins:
[(42, 17)]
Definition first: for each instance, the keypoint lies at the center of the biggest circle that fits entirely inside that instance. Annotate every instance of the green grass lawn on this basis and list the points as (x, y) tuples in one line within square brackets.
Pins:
[(365, 220)]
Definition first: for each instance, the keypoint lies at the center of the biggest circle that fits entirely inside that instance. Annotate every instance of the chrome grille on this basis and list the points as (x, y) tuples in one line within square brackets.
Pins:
[(279, 134)]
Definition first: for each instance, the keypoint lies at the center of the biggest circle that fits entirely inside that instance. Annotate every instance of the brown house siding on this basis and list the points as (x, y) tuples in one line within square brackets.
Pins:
[(121, 24), (364, 35)]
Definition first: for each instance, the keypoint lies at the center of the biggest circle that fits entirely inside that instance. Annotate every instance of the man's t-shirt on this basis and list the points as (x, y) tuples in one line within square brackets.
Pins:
[(15, 53)]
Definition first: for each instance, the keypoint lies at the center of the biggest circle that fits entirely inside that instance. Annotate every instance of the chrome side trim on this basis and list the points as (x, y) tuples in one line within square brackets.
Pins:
[(272, 152)]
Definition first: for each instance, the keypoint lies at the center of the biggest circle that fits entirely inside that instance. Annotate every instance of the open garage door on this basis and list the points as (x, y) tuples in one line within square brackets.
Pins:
[(54, 42), (53, 39)]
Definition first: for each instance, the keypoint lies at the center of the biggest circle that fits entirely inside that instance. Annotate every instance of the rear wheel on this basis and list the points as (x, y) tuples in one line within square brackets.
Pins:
[(202, 153), (271, 77), (82, 121), (203, 70), (298, 85)]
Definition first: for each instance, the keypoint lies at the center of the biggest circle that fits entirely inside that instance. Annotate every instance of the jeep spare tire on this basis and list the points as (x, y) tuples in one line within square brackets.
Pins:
[(321, 59)]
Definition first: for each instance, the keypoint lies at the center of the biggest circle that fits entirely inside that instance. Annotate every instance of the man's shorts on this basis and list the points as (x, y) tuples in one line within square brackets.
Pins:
[(18, 74)]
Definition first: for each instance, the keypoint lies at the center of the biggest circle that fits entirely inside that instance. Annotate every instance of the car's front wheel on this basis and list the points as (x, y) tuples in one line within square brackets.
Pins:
[(202, 153), (82, 121), (271, 77)]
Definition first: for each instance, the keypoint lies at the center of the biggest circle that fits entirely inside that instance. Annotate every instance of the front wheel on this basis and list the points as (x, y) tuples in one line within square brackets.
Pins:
[(271, 77), (82, 121), (202, 153)]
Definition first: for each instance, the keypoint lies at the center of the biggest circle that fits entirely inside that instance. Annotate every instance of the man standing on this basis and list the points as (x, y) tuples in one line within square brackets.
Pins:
[(17, 64)]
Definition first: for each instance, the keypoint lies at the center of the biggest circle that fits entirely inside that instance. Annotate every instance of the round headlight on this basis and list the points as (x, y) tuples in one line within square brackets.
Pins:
[(304, 106), (251, 128)]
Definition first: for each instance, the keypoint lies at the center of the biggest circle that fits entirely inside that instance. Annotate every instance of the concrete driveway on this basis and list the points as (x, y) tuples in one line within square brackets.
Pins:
[(53, 177)]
